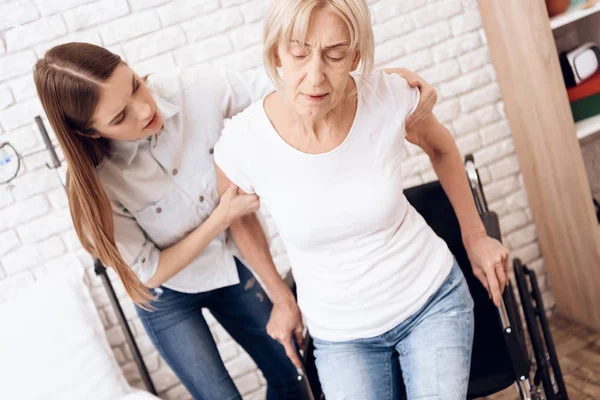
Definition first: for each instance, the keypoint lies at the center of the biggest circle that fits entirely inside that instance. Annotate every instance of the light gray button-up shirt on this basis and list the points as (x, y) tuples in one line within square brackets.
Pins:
[(162, 187)]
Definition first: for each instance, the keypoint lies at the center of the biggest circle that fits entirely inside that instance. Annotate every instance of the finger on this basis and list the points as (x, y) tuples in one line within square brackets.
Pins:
[(298, 336), (494, 287), (481, 276), (506, 262), (290, 351), (501, 276)]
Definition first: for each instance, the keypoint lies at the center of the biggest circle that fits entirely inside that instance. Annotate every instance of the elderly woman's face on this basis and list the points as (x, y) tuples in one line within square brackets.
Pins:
[(316, 73)]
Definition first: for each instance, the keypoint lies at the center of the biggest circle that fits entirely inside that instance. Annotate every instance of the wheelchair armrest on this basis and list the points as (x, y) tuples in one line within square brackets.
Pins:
[(492, 224)]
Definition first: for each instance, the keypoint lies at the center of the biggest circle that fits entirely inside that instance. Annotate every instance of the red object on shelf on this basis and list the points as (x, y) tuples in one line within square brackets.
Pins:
[(556, 7), (585, 89)]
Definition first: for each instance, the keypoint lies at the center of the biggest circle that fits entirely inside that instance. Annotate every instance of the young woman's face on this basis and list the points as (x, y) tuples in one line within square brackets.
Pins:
[(316, 73), (127, 110)]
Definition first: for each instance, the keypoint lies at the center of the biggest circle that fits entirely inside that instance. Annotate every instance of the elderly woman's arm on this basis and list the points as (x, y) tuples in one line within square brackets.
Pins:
[(286, 319), (488, 257)]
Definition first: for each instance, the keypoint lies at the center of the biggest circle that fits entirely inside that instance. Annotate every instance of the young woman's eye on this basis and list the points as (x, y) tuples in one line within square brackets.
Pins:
[(123, 115), (137, 85)]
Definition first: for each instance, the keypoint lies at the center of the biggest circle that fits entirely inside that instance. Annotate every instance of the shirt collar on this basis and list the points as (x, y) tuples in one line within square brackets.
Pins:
[(126, 150)]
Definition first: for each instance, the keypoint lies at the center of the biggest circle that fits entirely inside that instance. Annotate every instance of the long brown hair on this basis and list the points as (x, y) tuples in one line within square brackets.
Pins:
[(68, 81)]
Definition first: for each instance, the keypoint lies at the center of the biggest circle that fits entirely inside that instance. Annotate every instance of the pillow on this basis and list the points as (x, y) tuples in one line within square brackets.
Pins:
[(53, 344)]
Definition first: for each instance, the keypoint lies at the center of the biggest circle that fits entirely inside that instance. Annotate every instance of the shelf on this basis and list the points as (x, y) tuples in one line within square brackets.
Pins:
[(588, 126), (572, 14)]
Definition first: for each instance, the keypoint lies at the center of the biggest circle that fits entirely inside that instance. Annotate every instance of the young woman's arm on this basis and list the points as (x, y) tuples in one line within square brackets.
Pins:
[(488, 257), (286, 319), (153, 266)]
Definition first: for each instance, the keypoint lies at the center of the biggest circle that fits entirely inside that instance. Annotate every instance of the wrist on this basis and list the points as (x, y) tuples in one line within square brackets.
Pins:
[(471, 237), (219, 218)]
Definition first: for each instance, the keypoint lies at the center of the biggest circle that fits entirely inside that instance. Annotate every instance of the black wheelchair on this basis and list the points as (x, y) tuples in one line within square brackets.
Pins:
[(503, 353)]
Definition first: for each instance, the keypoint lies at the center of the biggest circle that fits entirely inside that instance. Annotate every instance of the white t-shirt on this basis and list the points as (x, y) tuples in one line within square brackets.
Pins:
[(364, 260)]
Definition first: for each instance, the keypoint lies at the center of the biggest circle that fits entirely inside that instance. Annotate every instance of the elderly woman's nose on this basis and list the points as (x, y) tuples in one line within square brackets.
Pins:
[(316, 73)]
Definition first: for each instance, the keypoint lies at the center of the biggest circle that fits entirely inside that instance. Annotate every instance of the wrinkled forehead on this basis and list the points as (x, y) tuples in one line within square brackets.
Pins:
[(321, 27)]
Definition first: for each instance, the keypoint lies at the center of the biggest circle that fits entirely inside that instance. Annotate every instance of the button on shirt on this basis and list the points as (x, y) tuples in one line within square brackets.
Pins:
[(162, 187)]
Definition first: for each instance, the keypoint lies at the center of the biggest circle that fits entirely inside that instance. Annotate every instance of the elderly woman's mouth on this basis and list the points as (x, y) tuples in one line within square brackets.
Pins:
[(316, 97)]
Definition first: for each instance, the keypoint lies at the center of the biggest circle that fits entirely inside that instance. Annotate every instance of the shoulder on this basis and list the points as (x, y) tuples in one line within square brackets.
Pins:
[(391, 92)]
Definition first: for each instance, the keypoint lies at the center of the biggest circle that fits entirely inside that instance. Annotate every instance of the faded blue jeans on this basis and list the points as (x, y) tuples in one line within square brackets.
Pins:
[(433, 348), (182, 337)]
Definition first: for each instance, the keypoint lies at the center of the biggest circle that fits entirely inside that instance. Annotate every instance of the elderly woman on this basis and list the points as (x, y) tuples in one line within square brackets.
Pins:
[(377, 287)]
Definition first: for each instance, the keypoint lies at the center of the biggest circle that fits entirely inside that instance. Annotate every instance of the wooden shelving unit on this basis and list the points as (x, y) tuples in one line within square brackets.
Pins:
[(524, 54)]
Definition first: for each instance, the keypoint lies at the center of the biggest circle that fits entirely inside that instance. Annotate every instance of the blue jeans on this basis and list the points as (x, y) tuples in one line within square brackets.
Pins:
[(432, 347), (182, 337)]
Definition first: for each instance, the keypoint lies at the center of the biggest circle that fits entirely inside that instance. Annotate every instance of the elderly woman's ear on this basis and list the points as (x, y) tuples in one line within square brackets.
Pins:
[(427, 99)]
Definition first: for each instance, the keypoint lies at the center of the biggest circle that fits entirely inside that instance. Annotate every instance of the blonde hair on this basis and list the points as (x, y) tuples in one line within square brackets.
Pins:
[(68, 81), (288, 20)]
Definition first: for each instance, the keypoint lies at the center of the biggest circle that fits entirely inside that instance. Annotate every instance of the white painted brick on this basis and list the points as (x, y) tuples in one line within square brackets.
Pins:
[(8, 241), (34, 183), (393, 28), (138, 5), (480, 97), (17, 13), (115, 336), (95, 13), (241, 61), (465, 83), (247, 383), (505, 167), (522, 236), (488, 114), (254, 10), (384, 10), (182, 10), (410, 181), (23, 139), (145, 346), (36, 161), (258, 395), (56, 6), (229, 3), (513, 221), (468, 144), (164, 62), (208, 317), (499, 189), (179, 392), (470, 4), (389, 51), (465, 123), (447, 110), (25, 36), (415, 61), (119, 355), (45, 226), (247, 36), (436, 12), (441, 72), (465, 22), (474, 59), (240, 366), (26, 257), (70, 240), (484, 175), (221, 334), (206, 50), (6, 196), (517, 200), (23, 88), (228, 350), (6, 98), (261, 378), (456, 46), (153, 44), (129, 27), (214, 23), (16, 64), (483, 36), (429, 175), (21, 114), (58, 198), (426, 37), (494, 152), (495, 132), (11, 286), (23, 211), (87, 36)]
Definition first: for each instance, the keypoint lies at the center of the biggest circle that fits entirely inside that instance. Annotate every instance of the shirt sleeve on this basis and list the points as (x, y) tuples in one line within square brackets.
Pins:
[(229, 155), (136, 249), (406, 98)]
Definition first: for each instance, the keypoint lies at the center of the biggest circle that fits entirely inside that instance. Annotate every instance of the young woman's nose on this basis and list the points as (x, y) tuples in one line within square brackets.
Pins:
[(142, 110)]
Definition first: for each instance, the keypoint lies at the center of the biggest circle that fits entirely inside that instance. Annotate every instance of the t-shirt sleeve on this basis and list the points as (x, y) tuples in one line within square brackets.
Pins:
[(405, 98), (231, 154)]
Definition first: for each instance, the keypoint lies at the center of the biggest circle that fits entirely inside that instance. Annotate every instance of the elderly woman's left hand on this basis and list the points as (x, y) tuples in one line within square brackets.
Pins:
[(490, 260), (428, 94)]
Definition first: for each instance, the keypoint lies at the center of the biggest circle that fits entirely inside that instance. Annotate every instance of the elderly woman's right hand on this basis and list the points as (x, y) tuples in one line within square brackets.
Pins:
[(234, 204), (286, 323)]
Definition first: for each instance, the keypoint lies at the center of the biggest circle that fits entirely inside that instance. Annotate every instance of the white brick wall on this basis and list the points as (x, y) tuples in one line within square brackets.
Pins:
[(441, 39)]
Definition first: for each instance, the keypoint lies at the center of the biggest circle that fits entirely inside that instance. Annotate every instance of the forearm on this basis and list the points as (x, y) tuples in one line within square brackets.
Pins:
[(175, 258), (250, 239), (448, 166)]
